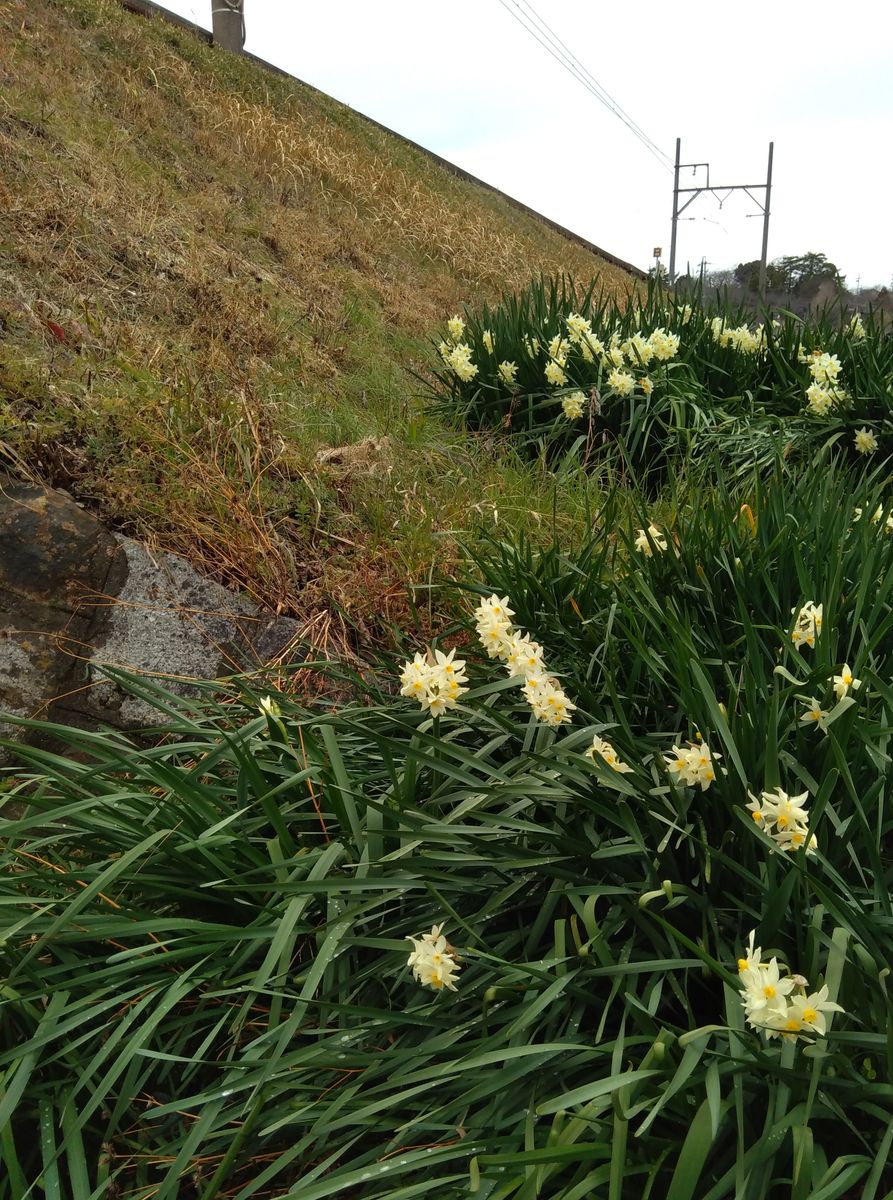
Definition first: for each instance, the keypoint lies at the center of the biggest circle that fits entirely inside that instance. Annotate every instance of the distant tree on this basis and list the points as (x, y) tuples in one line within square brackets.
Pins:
[(748, 276), (797, 274), (719, 279), (804, 273)]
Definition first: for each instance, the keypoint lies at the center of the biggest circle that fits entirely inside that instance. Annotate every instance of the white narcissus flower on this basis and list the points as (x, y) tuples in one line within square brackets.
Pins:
[(844, 681), (460, 361), (789, 810), (572, 405), (644, 545), (876, 517), (578, 327), (808, 625), (496, 607), (664, 345), (607, 752), (856, 329), (819, 400), (559, 348), (269, 707), (508, 372), (692, 765), (796, 838), (753, 957), (548, 701), (814, 714), (764, 989), (493, 636), (824, 368), (522, 656), (414, 678), (622, 382), (762, 811), (447, 669), (434, 681), (638, 350), (810, 1009), (784, 818), (865, 441), (494, 627), (555, 375), (456, 327), (487, 339), (433, 960), (646, 385), (773, 1006)]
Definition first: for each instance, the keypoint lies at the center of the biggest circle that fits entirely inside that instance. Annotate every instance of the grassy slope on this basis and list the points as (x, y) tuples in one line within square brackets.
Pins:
[(242, 270)]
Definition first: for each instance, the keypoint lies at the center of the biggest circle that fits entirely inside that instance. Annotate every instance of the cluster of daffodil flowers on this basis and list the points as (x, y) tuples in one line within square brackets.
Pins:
[(878, 517), (455, 353), (573, 404), (607, 754), (637, 352), (808, 624), (784, 818), (692, 765), (626, 359), (778, 1002), (825, 392), (435, 680), (647, 543), (523, 659), (433, 960), (856, 329), (740, 338)]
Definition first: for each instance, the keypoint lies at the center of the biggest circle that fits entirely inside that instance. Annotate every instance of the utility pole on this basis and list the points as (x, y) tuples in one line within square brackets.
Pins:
[(228, 24), (762, 280), (672, 279), (749, 188)]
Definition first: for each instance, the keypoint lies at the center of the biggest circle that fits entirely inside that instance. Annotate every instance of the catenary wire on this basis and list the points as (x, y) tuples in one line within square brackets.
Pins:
[(557, 49)]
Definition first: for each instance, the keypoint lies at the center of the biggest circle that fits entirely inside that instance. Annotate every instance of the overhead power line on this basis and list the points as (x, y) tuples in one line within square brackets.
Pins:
[(529, 19)]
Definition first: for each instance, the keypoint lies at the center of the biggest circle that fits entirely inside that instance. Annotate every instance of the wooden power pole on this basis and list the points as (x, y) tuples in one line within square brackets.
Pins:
[(228, 24)]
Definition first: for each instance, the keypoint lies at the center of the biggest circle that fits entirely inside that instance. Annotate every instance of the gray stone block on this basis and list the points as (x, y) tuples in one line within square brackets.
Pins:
[(75, 598)]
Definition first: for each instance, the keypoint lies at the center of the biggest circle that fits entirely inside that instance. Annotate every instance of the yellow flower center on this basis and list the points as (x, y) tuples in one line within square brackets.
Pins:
[(781, 820), (742, 964), (768, 991), (810, 1015), (792, 1024), (757, 815)]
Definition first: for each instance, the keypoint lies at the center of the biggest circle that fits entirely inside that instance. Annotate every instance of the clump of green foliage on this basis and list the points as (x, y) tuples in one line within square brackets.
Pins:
[(206, 984), (565, 369)]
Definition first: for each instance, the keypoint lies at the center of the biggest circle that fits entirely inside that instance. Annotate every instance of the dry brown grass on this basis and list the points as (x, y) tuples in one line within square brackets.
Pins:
[(207, 273)]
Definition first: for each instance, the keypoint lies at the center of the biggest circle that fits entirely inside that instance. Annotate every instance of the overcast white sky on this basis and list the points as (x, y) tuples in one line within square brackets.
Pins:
[(466, 80)]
